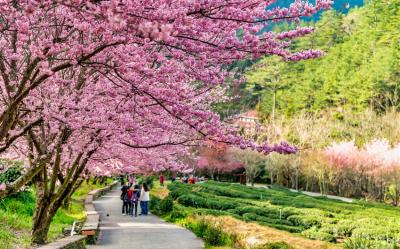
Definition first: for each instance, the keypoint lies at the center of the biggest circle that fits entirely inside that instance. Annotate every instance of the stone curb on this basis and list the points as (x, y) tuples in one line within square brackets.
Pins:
[(73, 242), (90, 228)]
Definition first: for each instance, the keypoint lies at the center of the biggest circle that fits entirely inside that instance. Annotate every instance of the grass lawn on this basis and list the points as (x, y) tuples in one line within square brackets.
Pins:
[(280, 215), (16, 217)]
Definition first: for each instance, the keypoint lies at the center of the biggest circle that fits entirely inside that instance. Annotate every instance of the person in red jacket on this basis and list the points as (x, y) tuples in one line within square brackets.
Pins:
[(129, 194), (161, 180)]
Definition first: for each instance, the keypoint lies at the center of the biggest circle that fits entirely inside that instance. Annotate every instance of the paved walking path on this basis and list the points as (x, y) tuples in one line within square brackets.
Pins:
[(334, 197), (142, 232)]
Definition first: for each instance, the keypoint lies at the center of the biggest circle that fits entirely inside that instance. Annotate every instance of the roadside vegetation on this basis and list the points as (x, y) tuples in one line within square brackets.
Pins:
[(245, 217), (16, 213)]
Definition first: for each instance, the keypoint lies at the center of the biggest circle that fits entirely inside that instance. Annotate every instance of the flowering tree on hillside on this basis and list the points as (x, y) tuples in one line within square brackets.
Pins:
[(215, 158), (93, 87), (252, 161), (372, 169)]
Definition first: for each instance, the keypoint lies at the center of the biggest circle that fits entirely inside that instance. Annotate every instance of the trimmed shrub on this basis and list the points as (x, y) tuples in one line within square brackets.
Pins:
[(177, 213), (364, 243), (290, 229), (161, 206), (166, 205), (275, 245), (215, 236), (313, 233), (212, 234), (358, 243), (201, 202), (154, 204)]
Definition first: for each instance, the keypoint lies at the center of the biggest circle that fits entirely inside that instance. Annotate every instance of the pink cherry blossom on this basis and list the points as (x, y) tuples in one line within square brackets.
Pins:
[(128, 86)]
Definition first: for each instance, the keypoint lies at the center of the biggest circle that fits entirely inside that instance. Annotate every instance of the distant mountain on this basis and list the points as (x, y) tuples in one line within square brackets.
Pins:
[(338, 5)]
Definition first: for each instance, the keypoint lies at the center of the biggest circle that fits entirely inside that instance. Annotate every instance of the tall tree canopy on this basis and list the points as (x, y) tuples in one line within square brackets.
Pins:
[(93, 87)]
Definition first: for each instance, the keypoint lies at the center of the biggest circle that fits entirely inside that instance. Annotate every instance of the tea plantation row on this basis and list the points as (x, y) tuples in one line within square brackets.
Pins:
[(315, 218)]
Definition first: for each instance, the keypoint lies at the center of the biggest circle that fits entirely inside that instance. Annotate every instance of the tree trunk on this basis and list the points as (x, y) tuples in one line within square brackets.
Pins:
[(41, 228), (67, 200), (47, 204), (274, 105), (272, 178), (42, 216)]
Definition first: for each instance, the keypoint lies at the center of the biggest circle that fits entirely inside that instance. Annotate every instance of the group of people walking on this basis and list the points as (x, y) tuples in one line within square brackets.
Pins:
[(132, 195)]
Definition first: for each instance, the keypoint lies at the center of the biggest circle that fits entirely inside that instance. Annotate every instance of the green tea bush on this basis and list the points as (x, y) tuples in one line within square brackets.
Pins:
[(154, 204), (357, 243), (177, 213), (255, 217), (166, 205), (203, 211), (161, 206), (305, 222), (176, 190), (223, 191), (364, 243), (313, 233), (316, 218), (290, 229), (198, 227), (376, 233), (270, 212), (212, 234), (215, 236), (201, 202), (275, 245)]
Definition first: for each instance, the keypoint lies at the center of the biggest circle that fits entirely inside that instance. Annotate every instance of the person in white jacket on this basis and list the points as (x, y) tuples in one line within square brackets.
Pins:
[(144, 199)]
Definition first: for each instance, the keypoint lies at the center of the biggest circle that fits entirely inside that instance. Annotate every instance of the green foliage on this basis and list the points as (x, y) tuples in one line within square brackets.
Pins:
[(201, 202), (314, 233), (16, 216), (365, 243), (315, 218), (10, 175), (154, 204), (212, 234), (149, 180), (215, 236), (166, 205), (360, 69), (161, 206), (178, 212), (275, 245)]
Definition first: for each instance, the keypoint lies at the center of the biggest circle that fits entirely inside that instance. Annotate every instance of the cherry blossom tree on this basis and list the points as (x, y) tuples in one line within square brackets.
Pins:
[(215, 158), (95, 87), (370, 170), (252, 161)]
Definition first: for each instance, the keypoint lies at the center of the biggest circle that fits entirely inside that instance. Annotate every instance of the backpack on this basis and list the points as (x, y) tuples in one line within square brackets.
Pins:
[(125, 198), (135, 196)]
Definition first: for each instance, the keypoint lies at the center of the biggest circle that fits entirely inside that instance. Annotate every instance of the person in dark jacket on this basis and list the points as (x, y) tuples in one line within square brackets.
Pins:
[(125, 199), (134, 199)]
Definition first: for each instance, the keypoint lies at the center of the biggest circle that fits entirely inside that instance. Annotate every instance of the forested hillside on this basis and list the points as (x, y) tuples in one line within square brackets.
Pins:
[(360, 70), (338, 5)]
